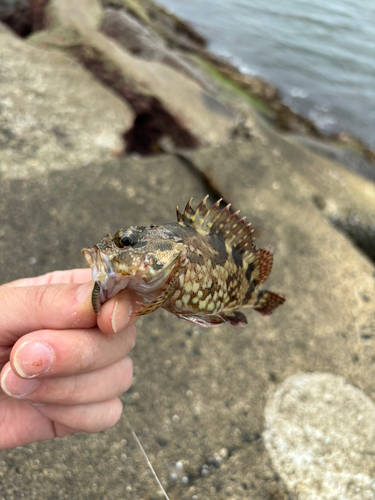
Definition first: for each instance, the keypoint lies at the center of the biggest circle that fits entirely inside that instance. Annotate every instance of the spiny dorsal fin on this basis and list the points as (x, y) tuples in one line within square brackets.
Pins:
[(230, 227), (179, 215)]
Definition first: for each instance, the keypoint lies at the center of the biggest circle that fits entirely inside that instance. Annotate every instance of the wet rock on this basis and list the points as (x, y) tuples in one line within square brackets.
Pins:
[(141, 41), (177, 32), (320, 433), (345, 156), (54, 114)]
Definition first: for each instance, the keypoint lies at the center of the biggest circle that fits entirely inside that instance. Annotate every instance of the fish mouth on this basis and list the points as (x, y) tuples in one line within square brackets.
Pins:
[(100, 265), (107, 282)]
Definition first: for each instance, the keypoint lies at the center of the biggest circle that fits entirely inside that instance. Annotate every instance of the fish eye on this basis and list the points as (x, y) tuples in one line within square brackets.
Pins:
[(126, 240)]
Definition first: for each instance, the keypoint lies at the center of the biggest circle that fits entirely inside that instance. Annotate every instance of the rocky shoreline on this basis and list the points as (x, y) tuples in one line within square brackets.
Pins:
[(28, 17), (111, 114)]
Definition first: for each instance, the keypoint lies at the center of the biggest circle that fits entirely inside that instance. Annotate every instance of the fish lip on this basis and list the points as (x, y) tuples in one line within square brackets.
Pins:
[(100, 264)]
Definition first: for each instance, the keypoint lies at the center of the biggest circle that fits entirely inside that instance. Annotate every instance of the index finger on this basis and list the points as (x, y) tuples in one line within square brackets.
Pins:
[(24, 309), (55, 277)]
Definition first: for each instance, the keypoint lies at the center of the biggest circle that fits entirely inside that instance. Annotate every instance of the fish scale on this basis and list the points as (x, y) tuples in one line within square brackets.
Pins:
[(202, 268)]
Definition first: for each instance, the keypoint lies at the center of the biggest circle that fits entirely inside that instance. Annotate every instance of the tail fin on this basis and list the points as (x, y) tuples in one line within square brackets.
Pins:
[(267, 302)]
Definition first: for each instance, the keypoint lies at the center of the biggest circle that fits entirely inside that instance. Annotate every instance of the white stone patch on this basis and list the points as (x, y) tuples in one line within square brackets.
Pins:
[(320, 434)]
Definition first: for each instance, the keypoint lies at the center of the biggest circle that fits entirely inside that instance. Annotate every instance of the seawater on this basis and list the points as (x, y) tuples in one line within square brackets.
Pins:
[(319, 53)]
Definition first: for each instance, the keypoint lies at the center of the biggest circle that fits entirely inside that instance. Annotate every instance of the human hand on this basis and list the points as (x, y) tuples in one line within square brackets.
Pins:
[(62, 366)]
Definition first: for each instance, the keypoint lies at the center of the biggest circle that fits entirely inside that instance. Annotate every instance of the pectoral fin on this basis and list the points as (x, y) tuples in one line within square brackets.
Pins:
[(235, 318), (150, 307), (203, 320)]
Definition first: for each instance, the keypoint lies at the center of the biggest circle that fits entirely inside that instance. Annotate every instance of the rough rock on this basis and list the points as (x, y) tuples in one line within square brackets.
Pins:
[(53, 112), (347, 200), (320, 433), (165, 101), (87, 13)]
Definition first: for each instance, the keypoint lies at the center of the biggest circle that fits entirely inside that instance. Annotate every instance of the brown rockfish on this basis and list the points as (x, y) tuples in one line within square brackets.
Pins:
[(202, 268)]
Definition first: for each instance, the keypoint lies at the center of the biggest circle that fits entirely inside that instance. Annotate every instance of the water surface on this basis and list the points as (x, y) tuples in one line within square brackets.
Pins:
[(319, 53)]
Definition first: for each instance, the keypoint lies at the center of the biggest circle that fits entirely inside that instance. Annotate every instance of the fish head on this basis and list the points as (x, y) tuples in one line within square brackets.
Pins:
[(138, 257)]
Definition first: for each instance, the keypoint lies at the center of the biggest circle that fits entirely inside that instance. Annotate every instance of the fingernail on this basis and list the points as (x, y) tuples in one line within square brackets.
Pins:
[(32, 359), (84, 291), (15, 386), (121, 314)]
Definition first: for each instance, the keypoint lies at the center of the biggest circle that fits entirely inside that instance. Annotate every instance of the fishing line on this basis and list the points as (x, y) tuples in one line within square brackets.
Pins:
[(147, 459)]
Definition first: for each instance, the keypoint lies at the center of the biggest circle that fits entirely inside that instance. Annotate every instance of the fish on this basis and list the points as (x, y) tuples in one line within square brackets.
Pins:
[(202, 268)]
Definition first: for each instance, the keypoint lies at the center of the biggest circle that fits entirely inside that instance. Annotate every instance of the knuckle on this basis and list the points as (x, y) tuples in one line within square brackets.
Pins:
[(116, 411), (41, 299), (74, 392), (67, 391), (127, 376)]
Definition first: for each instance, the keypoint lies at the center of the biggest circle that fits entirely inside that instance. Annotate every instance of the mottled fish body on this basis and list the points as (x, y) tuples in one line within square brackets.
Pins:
[(202, 268)]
